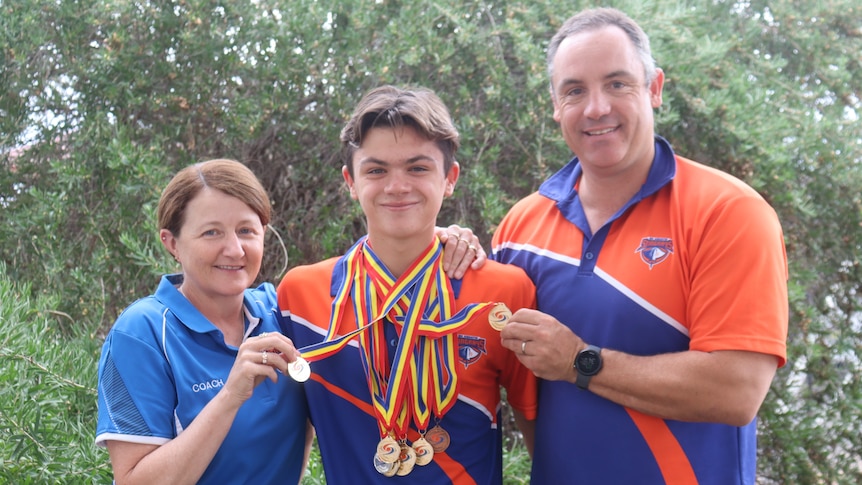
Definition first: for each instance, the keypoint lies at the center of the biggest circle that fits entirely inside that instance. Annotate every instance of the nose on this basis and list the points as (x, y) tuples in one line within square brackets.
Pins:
[(397, 183), (598, 105), (233, 246)]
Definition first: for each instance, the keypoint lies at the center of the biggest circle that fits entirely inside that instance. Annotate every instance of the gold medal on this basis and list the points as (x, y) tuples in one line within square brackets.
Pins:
[(499, 316), (383, 468), (438, 438), (299, 369), (406, 460), (388, 450), (424, 451)]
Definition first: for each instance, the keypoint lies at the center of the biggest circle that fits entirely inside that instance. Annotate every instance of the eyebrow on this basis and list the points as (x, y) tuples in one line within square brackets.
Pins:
[(411, 160), (610, 75)]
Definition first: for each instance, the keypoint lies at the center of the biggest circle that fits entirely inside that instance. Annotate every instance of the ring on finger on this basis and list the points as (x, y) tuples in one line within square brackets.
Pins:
[(524, 347), (456, 236), (263, 357), (473, 248)]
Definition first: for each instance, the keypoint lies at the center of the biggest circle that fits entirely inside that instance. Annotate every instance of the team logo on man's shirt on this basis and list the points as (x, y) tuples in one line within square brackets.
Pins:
[(654, 250), (470, 348)]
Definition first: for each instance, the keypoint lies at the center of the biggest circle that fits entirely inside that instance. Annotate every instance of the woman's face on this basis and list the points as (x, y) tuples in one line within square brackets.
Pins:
[(220, 246)]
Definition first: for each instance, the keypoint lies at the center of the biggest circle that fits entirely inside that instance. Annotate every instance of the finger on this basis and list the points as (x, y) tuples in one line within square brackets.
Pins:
[(481, 258), (453, 250), (460, 266), (277, 343)]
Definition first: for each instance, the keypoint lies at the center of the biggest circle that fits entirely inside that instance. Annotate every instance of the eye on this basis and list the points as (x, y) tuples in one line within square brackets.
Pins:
[(210, 232), (575, 92)]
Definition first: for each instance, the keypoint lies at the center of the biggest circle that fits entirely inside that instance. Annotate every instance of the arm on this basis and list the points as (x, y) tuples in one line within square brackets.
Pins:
[(185, 458), (722, 386), (309, 442), (181, 460), (528, 429)]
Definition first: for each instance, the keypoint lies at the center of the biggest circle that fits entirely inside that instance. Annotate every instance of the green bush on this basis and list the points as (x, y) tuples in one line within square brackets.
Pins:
[(100, 102), (47, 393)]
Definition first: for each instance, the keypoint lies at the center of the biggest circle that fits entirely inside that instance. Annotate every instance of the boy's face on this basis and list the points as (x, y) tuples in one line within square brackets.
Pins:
[(399, 181)]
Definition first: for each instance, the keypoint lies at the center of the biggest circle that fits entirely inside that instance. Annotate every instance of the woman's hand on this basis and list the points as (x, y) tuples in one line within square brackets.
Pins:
[(259, 358)]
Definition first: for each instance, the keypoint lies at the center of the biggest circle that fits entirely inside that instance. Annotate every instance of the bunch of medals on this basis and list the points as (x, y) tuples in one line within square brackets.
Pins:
[(421, 302)]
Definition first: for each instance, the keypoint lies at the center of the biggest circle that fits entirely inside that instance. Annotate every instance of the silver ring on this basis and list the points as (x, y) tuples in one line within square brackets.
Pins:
[(263, 357), (524, 347)]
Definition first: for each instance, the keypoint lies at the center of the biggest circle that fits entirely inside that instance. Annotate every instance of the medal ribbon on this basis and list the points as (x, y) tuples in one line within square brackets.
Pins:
[(419, 303)]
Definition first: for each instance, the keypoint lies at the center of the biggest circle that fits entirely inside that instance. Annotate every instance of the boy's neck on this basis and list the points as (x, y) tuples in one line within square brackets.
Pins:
[(399, 254)]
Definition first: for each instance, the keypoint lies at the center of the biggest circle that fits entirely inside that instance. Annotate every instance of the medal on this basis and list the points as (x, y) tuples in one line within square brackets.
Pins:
[(406, 460), (383, 468), (424, 451), (438, 438), (299, 370), (388, 450), (499, 316)]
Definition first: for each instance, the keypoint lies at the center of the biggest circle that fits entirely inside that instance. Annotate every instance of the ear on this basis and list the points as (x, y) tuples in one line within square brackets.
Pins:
[(349, 181), (169, 242), (452, 178), (655, 88)]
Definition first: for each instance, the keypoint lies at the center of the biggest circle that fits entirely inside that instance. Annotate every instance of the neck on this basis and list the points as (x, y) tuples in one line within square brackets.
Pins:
[(398, 254), (224, 313), (603, 194)]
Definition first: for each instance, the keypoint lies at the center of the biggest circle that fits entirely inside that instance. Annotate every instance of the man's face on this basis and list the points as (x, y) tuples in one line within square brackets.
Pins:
[(399, 180), (602, 102)]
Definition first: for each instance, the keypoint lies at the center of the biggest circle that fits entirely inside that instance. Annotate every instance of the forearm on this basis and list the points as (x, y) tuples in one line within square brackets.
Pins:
[(528, 429), (181, 460), (724, 387)]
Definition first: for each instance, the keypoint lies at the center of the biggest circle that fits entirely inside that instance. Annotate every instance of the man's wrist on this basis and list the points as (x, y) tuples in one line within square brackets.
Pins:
[(588, 363)]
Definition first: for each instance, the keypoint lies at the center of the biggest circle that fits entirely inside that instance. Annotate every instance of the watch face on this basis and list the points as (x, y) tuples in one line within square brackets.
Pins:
[(589, 362)]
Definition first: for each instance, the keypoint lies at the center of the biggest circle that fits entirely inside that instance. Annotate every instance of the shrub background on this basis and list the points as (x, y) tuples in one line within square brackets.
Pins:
[(102, 101)]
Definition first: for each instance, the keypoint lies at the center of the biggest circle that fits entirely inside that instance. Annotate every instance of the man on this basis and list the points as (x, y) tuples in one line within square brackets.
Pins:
[(661, 284), (404, 359)]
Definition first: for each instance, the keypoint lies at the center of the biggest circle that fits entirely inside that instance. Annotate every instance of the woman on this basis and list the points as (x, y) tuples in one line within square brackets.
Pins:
[(193, 384)]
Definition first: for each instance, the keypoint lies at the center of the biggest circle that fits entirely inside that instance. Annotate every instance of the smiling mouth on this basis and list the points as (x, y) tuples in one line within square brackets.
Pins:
[(232, 268), (600, 132)]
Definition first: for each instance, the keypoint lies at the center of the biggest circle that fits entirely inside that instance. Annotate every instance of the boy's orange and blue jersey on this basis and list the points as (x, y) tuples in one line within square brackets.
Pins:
[(339, 399), (695, 260)]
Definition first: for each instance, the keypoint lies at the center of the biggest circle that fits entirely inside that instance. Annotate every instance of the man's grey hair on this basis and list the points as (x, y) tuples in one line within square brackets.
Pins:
[(597, 18)]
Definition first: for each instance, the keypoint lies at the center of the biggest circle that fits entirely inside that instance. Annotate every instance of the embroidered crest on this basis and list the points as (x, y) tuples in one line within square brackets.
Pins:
[(654, 250), (470, 348)]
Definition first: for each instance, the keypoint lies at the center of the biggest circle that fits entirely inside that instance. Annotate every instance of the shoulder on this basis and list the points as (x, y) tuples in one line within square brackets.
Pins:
[(710, 193), (310, 272), (147, 309), (310, 277), (500, 273), (698, 178), (498, 281)]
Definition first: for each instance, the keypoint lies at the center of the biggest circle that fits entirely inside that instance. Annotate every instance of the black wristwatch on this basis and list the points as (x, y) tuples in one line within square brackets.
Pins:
[(587, 364)]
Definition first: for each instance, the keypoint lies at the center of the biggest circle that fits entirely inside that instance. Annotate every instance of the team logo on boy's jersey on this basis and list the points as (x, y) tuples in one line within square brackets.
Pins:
[(654, 250), (470, 348)]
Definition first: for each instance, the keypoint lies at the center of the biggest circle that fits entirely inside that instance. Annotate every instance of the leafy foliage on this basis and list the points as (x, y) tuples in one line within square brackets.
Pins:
[(102, 100), (47, 394)]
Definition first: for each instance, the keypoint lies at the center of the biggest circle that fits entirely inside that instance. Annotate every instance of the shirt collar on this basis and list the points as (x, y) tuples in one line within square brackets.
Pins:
[(191, 317)]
